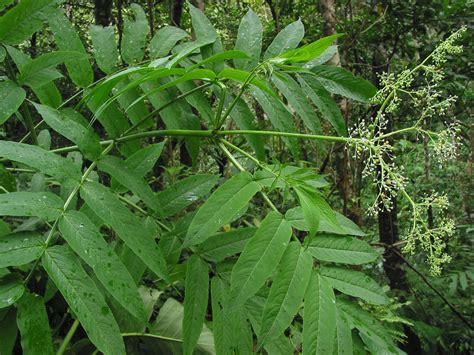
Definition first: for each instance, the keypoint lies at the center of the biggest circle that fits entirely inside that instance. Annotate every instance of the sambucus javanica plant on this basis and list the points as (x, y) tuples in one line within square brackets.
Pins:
[(264, 245)]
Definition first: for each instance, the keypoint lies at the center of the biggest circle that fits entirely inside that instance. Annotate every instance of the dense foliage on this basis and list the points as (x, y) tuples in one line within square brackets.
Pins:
[(169, 189)]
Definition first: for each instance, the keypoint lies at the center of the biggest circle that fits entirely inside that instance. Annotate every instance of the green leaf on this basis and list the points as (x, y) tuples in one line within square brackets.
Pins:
[(244, 118), (19, 23), (165, 39), (205, 31), (84, 238), (286, 39), (143, 160), (354, 283), (134, 35), (105, 48), (319, 318), (67, 39), (198, 100), (249, 40), (298, 101), (168, 326), (11, 289), (181, 194), (367, 324), (127, 226), (117, 168), (46, 162), (342, 249), (322, 99), (11, 98), (64, 123), (342, 82), (309, 51), (287, 292), (38, 204), (37, 72), (195, 302), (345, 226), (312, 205), (33, 324), (219, 57), (232, 333), (343, 334), (84, 299), (9, 331), (220, 207), (259, 257), (20, 248), (242, 77), (187, 49), (223, 245), (279, 117)]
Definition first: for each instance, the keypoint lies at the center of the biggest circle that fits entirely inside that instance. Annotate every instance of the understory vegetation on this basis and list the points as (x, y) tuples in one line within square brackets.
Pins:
[(235, 177)]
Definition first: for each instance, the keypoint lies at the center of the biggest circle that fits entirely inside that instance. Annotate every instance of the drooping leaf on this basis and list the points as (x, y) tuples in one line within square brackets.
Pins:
[(195, 302), (342, 249), (223, 245), (220, 207), (67, 39), (20, 248), (33, 324), (165, 39), (19, 23), (117, 168), (298, 101), (38, 204), (280, 118), (85, 300), (105, 48), (367, 324), (249, 40), (259, 257), (244, 119), (342, 82), (168, 325), (198, 100), (11, 98), (134, 35), (84, 238), (11, 289), (319, 318), (184, 192), (64, 123), (127, 226), (232, 333), (343, 334), (312, 205), (354, 283), (286, 39), (38, 72), (287, 291), (322, 99)]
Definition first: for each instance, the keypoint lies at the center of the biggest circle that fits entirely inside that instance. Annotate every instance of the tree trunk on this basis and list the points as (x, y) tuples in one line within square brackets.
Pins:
[(103, 12), (176, 10), (276, 17)]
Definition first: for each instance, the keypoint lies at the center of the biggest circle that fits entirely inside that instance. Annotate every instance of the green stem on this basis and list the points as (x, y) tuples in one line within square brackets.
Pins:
[(68, 337), (151, 336), (241, 168)]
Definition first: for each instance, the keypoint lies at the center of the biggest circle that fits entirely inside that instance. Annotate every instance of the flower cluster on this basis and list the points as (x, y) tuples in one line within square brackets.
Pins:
[(430, 240), (448, 47), (446, 143)]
